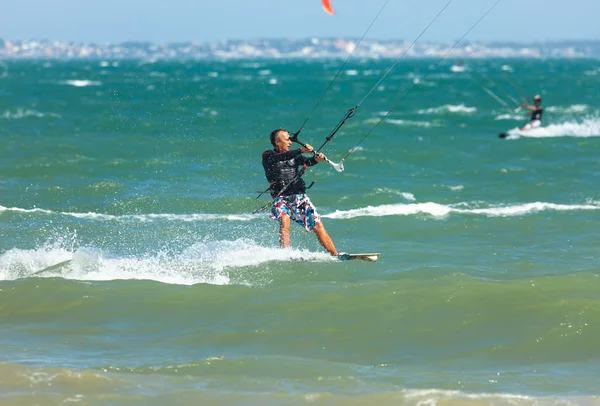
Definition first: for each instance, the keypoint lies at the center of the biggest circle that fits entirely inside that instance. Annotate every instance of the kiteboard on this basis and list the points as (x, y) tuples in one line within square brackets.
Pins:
[(502, 135), (371, 257)]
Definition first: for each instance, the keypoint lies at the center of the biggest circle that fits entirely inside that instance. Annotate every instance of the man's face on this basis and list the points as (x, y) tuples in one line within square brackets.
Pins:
[(283, 142)]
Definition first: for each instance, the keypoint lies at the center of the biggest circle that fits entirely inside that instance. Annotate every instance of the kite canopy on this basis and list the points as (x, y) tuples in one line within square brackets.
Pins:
[(327, 6)]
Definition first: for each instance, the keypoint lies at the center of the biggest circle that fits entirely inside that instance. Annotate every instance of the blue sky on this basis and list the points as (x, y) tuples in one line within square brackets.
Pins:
[(104, 21)]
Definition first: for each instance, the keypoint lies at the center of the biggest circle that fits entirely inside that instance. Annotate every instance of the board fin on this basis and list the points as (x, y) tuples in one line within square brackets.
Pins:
[(371, 257)]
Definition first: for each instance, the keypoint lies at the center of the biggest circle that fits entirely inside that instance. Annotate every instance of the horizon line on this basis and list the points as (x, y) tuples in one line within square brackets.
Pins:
[(309, 38)]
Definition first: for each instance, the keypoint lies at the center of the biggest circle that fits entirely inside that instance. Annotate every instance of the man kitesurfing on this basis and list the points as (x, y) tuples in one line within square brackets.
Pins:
[(535, 120), (283, 169), (536, 113), (536, 110)]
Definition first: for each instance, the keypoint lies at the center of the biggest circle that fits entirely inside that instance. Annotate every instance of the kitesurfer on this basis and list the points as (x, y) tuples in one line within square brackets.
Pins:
[(283, 169), (536, 113)]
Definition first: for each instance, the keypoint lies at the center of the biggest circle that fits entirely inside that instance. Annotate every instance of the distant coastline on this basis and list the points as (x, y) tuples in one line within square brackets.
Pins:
[(309, 48)]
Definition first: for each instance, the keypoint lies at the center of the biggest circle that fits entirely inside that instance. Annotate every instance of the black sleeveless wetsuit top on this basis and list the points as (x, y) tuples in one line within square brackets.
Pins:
[(537, 114), (282, 167)]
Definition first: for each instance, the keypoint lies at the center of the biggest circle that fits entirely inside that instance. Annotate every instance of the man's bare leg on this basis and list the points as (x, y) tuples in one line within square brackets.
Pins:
[(284, 231), (324, 238)]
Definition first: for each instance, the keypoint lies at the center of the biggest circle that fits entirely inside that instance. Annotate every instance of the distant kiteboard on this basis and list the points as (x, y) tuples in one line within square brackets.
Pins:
[(371, 257)]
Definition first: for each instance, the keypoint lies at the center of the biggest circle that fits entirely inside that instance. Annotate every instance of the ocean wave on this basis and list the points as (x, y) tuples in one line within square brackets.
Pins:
[(24, 113), (431, 208), (264, 380), (449, 108), (138, 217), (458, 68), (202, 262), (412, 123), (588, 127), (81, 83), (423, 82), (441, 210), (575, 108), (389, 191), (508, 117)]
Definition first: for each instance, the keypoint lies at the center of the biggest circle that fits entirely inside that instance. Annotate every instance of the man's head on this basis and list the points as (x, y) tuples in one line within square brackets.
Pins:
[(537, 99), (280, 139)]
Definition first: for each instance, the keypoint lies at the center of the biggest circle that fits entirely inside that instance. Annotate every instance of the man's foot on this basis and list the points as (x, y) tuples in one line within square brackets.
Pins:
[(343, 256)]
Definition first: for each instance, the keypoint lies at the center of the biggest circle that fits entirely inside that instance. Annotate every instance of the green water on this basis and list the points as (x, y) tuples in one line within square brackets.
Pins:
[(133, 272)]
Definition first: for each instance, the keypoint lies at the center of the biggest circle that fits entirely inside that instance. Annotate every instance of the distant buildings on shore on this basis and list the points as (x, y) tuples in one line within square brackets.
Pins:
[(288, 48)]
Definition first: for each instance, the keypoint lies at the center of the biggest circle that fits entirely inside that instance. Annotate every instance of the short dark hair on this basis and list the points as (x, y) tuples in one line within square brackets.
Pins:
[(274, 135)]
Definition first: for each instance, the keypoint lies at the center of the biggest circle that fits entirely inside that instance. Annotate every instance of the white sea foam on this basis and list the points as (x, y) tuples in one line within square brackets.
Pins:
[(433, 209), (423, 82), (592, 72), (212, 262), (455, 188), (588, 127), (405, 195), (82, 83), (449, 108), (412, 123), (458, 69), (207, 111), (440, 210), (509, 117), (371, 72), (396, 209), (138, 217), (575, 108), (441, 397), (18, 209), (24, 113)]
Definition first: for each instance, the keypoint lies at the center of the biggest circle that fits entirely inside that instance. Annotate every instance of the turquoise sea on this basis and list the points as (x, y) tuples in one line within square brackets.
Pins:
[(132, 271)]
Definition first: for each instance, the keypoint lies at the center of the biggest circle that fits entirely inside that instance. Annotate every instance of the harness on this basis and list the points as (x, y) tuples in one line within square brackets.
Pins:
[(537, 114)]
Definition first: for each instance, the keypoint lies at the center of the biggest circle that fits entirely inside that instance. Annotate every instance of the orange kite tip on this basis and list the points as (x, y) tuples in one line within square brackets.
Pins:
[(327, 6)]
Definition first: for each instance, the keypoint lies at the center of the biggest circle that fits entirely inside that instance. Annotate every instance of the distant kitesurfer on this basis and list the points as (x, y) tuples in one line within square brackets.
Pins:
[(536, 113), (282, 168)]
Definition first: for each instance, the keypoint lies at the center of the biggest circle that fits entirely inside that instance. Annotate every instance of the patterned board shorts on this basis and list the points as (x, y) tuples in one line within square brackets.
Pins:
[(532, 124), (299, 208)]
